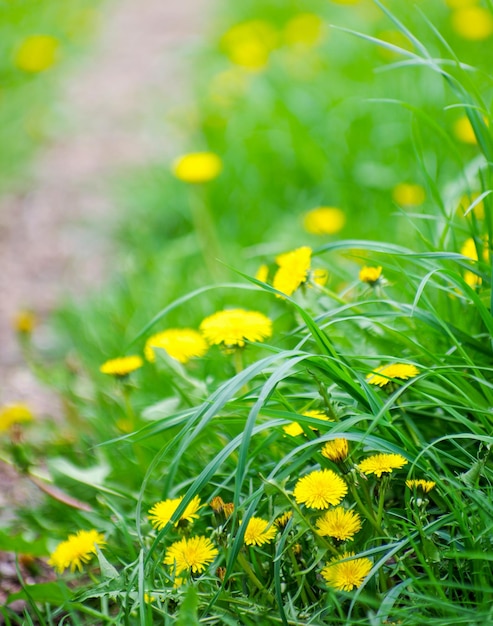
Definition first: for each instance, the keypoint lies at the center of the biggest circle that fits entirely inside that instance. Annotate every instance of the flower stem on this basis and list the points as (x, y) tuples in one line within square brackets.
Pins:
[(253, 578)]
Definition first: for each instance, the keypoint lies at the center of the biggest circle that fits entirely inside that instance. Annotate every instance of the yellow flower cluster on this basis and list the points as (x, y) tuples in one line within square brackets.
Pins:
[(294, 428), (339, 523), (379, 464), (181, 344), (197, 167), (384, 374), (190, 555), (122, 366), (345, 573), (233, 327), (37, 53), (259, 531), (325, 220), (320, 489)]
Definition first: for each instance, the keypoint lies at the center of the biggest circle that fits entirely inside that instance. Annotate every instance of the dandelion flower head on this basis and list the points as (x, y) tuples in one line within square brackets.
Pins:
[(249, 44), (379, 464), (336, 450), (370, 275), (294, 428), (161, 512), (325, 220), (282, 521), (232, 327), (339, 523), (192, 555), (262, 273), (304, 29), (37, 53), (464, 131), (122, 366), (293, 270), (408, 194), (24, 322), (197, 167), (181, 344), (472, 23), (383, 374), (425, 485), (344, 574), (320, 489), (11, 414), (258, 532), (76, 550)]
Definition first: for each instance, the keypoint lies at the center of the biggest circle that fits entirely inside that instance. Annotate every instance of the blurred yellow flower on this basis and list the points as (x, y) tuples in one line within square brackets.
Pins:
[(465, 203), (320, 489), (259, 532), (233, 327), (197, 167), (344, 573), (407, 194), (424, 485), (320, 277), (303, 29), (383, 375), (370, 275), (336, 450), (473, 23), (76, 550), (24, 322), (339, 523), (37, 53), (121, 366), (324, 220), (11, 414), (249, 44), (262, 273), (464, 131), (161, 512), (192, 555), (181, 344), (293, 270), (379, 464), (458, 4)]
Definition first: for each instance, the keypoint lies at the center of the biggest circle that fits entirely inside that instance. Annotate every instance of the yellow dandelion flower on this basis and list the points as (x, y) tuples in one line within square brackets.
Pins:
[(24, 322), (181, 344), (161, 512), (294, 428), (370, 275), (469, 249), (344, 573), (379, 464), (320, 277), (424, 485), (122, 366), (293, 270), (407, 194), (192, 555), (385, 373), (37, 53), (282, 521), (336, 450), (197, 167), (233, 327), (76, 550), (473, 23), (11, 414), (262, 273), (320, 489), (465, 203), (258, 532), (324, 220), (250, 44), (464, 131), (339, 523), (304, 29)]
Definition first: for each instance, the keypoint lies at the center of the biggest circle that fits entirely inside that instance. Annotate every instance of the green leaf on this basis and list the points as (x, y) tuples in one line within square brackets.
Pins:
[(17, 543), (107, 570), (188, 611), (53, 593)]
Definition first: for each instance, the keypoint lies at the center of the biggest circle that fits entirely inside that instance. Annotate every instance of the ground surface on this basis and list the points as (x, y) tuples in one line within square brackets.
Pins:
[(53, 235)]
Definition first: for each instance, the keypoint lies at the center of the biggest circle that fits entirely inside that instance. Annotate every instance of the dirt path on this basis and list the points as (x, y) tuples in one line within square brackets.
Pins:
[(52, 237)]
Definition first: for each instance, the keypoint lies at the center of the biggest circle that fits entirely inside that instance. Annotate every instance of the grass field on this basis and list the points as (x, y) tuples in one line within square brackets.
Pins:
[(279, 411)]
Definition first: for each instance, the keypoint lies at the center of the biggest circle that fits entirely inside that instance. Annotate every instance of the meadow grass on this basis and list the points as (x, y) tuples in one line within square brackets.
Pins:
[(266, 478)]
